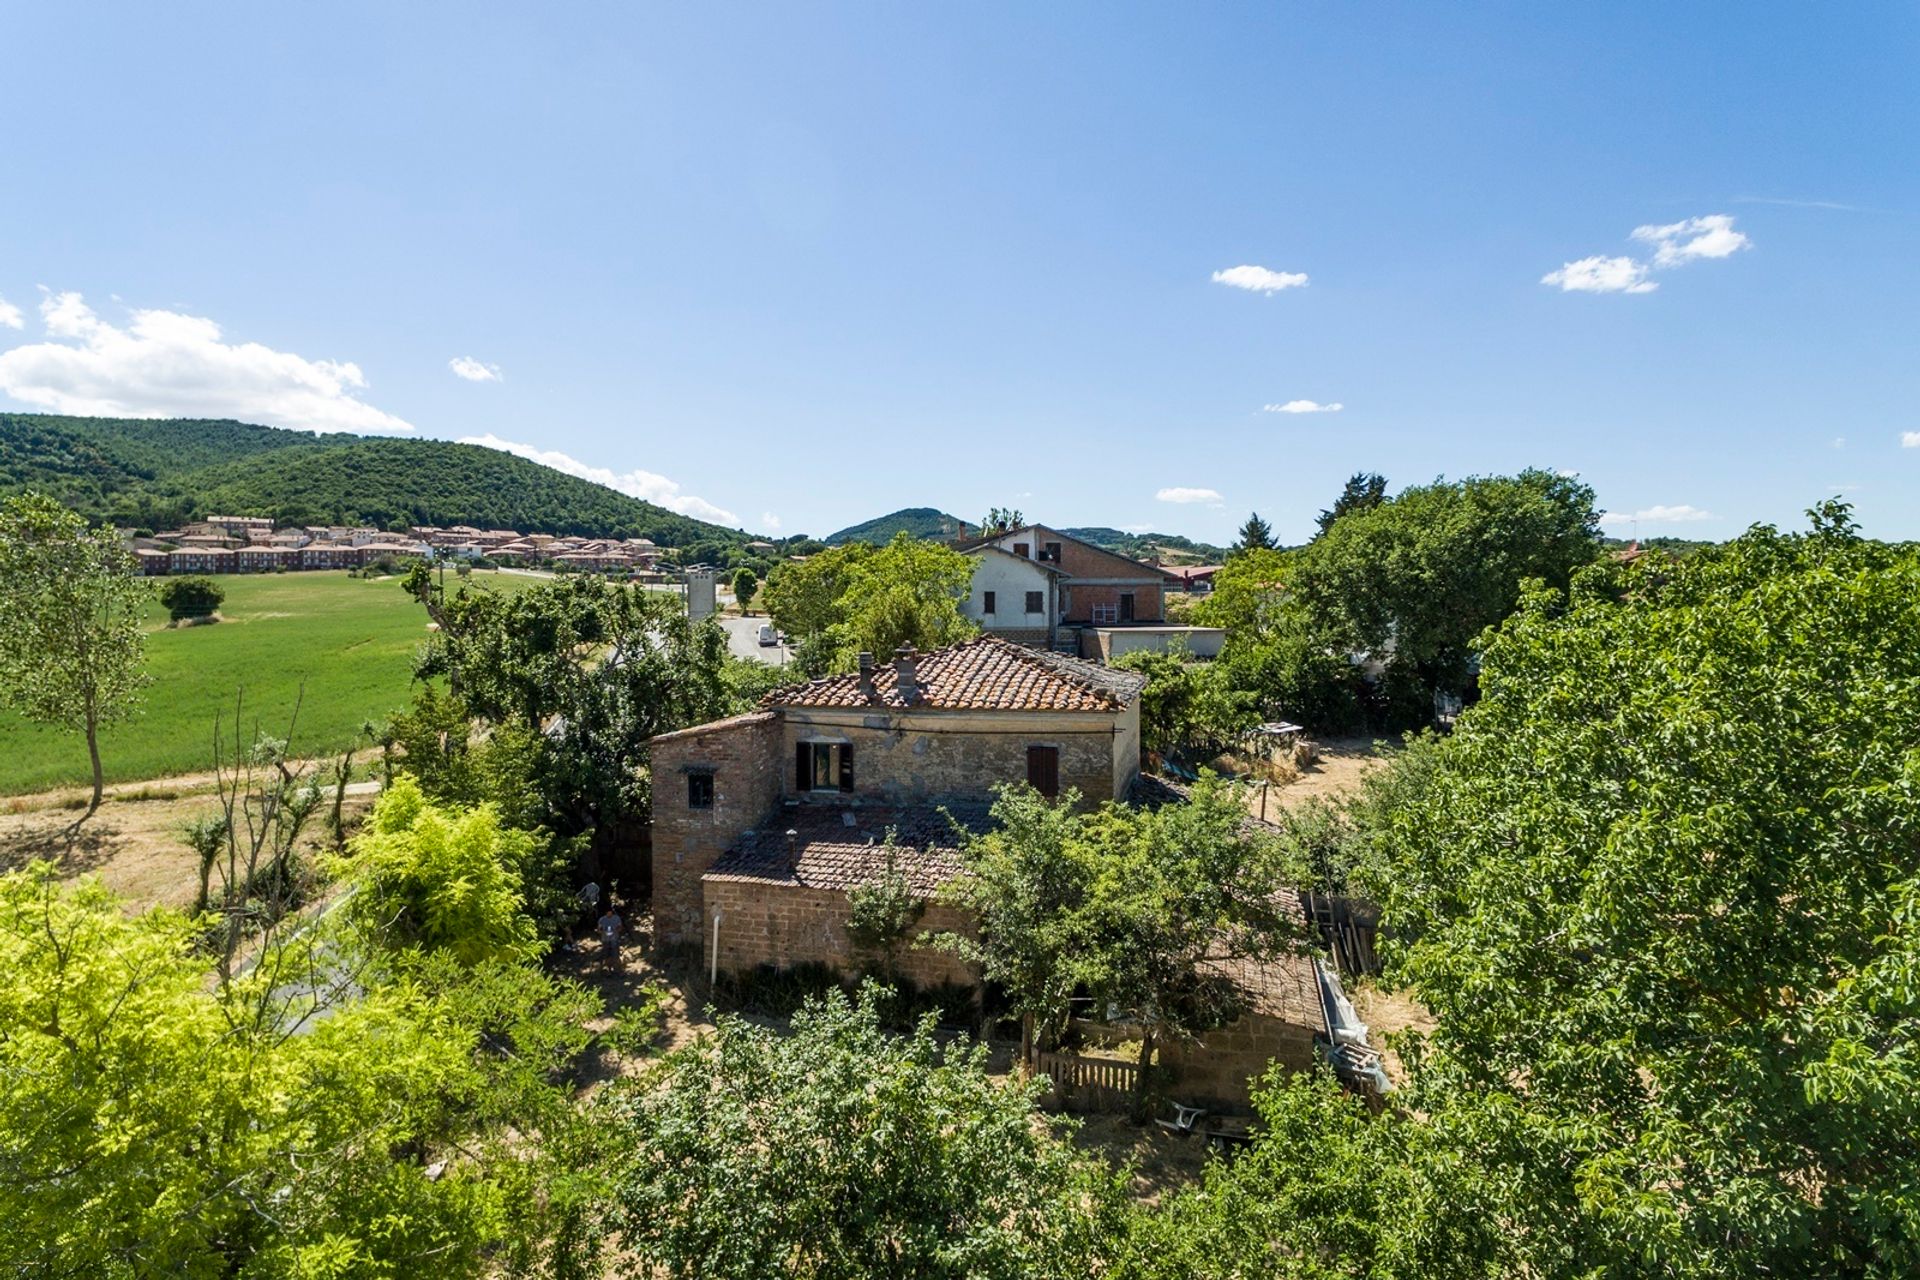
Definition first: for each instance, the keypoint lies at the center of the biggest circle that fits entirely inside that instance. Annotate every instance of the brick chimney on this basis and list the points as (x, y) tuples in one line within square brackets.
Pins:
[(906, 674), (866, 675), (793, 851)]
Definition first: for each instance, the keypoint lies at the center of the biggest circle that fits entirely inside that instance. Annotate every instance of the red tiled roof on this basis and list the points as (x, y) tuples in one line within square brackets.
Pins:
[(987, 674), (839, 846)]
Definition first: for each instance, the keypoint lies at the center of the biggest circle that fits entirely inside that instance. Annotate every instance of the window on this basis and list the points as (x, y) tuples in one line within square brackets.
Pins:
[(1126, 606), (1105, 612), (823, 766), (1036, 603), (1050, 551), (700, 790), (987, 608), (1023, 550), (1043, 770)]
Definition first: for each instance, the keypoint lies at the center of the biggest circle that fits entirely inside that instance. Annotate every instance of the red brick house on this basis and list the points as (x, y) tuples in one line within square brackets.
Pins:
[(1099, 586), (762, 822)]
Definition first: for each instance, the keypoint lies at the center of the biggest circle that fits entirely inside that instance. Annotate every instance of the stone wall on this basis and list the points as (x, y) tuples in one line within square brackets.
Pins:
[(928, 756), (1216, 1071), (744, 756), (765, 922)]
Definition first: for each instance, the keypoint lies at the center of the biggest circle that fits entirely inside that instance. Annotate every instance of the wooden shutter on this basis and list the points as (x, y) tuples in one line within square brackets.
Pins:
[(846, 766), (1043, 770), (803, 768)]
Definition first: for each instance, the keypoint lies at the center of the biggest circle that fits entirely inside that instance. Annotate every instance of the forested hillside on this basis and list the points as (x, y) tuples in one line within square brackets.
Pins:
[(919, 522), (157, 473)]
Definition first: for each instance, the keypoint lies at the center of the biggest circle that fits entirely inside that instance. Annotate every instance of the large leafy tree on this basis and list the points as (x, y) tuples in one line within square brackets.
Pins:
[(70, 618), (857, 598), (844, 1151), (302, 1117), (1664, 887), (1416, 579)]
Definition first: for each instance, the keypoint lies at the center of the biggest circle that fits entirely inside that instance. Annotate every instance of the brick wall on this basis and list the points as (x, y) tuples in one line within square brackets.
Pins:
[(1217, 1069), (784, 925), (1083, 596), (748, 765)]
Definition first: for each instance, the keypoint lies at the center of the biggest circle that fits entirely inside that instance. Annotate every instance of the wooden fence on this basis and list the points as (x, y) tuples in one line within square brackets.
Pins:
[(1088, 1084)]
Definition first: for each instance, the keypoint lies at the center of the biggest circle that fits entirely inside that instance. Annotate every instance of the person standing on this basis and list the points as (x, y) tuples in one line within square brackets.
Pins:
[(610, 927)]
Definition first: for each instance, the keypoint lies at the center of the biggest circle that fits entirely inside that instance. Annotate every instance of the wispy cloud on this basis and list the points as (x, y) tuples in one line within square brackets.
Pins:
[(1260, 279), (1674, 244), (1834, 205), (163, 364), (768, 520), (1910, 440), (1691, 239), (1601, 275), (473, 370), (1839, 442), (644, 485), (10, 317), (1177, 494), (1681, 514), (1303, 406)]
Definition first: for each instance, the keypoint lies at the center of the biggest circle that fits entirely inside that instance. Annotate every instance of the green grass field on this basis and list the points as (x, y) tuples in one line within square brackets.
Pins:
[(348, 643)]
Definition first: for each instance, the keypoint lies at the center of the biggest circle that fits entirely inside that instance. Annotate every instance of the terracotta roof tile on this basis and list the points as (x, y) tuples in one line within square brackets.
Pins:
[(987, 674), (839, 846)]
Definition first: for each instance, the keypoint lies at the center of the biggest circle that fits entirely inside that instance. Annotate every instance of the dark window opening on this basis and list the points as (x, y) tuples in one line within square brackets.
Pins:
[(1022, 550), (823, 766), (989, 602), (1126, 606), (1035, 604), (1050, 552), (699, 791), (1043, 770)]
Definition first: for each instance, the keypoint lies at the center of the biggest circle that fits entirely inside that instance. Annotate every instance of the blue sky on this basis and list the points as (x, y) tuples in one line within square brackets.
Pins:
[(806, 264)]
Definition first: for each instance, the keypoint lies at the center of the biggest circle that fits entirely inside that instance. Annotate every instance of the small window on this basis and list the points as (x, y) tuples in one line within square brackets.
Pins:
[(1126, 606), (1050, 552), (700, 791), (988, 606), (1023, 550), (1105, 612), (1036, 603), (1043, 770), (823, 766)]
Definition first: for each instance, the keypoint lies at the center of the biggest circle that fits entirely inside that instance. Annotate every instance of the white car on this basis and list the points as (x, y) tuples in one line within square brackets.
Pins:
[(767, 637)]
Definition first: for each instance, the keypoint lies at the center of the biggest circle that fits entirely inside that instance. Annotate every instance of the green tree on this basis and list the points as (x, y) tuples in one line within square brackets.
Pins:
[(745, 583), (1662, 894), (844, 1151), (303, 1117), (1415, 580), (1255, 535), (882, 910), (1002, 520), (70, 612), (184, 598), (1364, 491), (1188, 707), (856, 598)]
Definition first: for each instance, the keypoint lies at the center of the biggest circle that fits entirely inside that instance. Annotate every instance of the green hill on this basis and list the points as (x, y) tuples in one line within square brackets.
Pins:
[(156, 474), (919, 522), (1163, 548)]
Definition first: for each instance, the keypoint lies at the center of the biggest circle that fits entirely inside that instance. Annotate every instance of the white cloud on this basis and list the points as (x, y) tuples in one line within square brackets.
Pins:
[(1910, 440), (1190, 495), (1681, 514), (473, 370), (1303, 406), (1690, 239), (1259, 279), (768, 520), (1601, 275), (167, 365), (644, 485), (1839, 442), (10, 317)]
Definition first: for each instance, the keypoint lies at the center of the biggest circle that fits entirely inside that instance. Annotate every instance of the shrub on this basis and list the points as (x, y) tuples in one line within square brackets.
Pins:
[(185, 598)]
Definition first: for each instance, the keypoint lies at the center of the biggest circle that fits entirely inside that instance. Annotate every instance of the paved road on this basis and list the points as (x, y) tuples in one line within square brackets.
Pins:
[(743, 638)]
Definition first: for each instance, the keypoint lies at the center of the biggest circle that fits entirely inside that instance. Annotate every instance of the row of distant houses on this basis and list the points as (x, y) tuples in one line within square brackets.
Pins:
[(252, 544)]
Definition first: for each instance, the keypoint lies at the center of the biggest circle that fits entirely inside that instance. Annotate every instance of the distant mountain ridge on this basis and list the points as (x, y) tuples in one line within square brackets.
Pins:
[(159, 473), (931, 522)]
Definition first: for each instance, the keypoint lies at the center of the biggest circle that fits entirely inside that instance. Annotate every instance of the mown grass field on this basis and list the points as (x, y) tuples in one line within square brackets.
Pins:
[(347, 643)]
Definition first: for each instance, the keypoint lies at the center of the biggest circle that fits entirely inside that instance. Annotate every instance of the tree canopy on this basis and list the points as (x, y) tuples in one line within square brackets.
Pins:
[(857, 598)]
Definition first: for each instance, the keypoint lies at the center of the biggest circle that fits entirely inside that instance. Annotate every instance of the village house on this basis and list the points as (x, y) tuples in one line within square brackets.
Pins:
[(1014, 597), (762, 822)]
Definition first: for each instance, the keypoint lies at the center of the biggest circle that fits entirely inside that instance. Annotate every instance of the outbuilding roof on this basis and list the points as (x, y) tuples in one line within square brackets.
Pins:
[(987, 674), (840, 846)]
